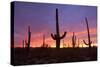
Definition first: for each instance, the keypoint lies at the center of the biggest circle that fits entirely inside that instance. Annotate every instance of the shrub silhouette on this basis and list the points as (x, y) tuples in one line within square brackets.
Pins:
[(57, 36), (88, 32)]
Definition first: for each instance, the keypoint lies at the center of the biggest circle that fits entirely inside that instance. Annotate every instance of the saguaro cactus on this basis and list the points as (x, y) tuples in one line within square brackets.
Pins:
[(57, 36), (29, 39), (88, 32), (43, 45), (43, 40), (73, 40), (78, 44), (23, 44)]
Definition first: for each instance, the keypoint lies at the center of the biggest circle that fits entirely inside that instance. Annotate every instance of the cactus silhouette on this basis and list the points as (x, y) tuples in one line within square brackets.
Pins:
[(57, 36), (73, 40), (26, 44), (43, 40), (78, 44), (88, 32), (29, 39), (44, 45), (23, 44)]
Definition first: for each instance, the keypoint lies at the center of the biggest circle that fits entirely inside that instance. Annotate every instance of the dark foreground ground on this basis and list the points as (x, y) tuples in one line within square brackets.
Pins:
[(52, 55)]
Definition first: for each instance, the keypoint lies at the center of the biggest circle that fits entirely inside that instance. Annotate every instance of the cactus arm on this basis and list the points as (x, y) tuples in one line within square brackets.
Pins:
[(53, 37), (85, 42), (63, 35)]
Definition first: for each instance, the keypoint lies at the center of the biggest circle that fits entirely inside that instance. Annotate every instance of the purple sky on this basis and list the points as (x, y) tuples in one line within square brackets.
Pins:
[(41, 18)]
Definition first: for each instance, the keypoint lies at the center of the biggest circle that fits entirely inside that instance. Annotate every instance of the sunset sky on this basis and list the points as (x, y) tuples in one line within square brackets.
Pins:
[(42, 20)]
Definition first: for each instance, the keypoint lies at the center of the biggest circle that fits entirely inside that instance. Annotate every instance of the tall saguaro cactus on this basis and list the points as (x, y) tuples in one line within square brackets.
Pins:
[(88, 32), (57, 36), (29, 38), (43, 39), (73, 40), (43, 45)]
